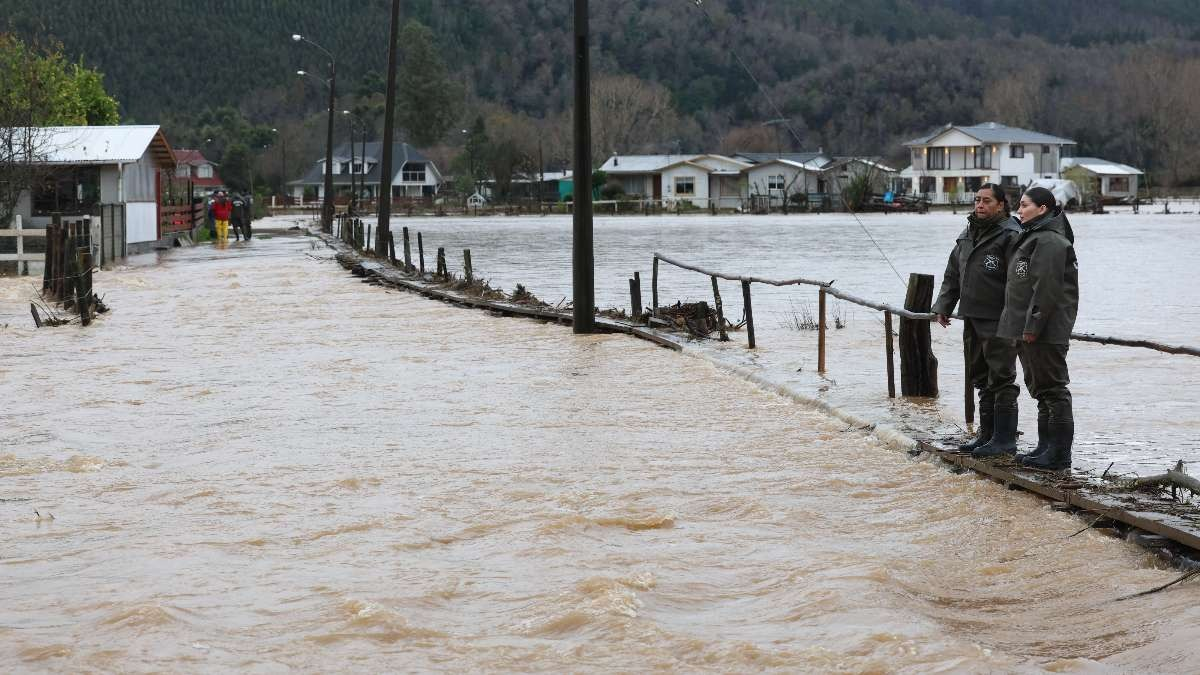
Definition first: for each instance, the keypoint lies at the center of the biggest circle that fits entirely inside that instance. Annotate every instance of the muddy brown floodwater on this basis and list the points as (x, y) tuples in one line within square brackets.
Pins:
[(257, 463)]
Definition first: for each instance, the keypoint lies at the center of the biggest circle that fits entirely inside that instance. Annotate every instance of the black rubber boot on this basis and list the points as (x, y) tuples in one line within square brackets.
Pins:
[(1043, 438), (1004, 437), (1058, 452), (986, 419)]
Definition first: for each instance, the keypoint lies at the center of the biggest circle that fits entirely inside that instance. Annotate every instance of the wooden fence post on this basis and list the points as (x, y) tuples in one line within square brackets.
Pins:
[(821, 331), (635, 297), (749, 312), (654, 289), (391, 238), (421, 253), (467, 271), (720, 311), (441, 263), (890, 349), (84, 295), (918, 365), (407, 252)]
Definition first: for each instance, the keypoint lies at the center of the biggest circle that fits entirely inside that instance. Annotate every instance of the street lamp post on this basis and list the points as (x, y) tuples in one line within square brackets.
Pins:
[(383, 229), (282, 164), (353, 194), (327, 203)]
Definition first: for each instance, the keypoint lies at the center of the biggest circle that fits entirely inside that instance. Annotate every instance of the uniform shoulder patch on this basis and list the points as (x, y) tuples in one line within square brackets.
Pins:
[(1022, 268), (991, 262)]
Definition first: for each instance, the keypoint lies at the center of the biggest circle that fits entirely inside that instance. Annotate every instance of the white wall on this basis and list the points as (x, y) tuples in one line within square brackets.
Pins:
[(141, 221), (700, 176)]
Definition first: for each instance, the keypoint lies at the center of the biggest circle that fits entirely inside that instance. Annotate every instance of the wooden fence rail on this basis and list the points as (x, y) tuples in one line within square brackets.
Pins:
[(918, 363)]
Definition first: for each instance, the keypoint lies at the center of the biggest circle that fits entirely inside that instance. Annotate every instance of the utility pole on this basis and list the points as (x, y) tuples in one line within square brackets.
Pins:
[(389, 119), (582, 257)]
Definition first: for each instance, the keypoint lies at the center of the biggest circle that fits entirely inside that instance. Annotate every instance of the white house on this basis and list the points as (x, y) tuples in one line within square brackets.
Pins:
[(778, 179), (700, 180), (414, 176), (1116, 181), (955, 160), (92, 166)]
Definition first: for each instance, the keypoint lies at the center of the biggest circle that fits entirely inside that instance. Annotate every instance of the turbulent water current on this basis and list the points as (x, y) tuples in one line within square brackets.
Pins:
[(257, 463)]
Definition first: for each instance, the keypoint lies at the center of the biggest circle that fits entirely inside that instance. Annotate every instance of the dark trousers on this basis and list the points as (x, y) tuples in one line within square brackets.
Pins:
[(1046, 378), (993, 364)]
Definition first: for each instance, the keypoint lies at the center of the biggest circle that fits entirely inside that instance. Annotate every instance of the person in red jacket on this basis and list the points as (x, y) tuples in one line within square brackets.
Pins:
[(222, 209)]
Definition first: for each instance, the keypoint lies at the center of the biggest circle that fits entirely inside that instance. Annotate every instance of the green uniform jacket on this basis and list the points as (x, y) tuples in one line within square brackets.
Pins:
[(1042, 297), (976, 273)]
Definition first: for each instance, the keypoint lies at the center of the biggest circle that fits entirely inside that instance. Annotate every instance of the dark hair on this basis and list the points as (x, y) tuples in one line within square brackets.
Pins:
[(997, 192), (1041, 197)]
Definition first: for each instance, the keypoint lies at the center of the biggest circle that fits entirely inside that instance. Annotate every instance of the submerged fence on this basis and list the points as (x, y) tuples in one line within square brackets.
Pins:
[(918, 365), (106, 238)]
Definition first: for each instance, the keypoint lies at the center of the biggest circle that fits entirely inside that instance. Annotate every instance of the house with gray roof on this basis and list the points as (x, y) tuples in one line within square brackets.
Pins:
[(1112, 181), (949, 164), (414, 175)]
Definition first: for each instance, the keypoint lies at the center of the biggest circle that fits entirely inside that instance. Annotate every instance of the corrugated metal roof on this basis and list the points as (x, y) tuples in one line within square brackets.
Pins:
[(1100, 166), (642, 163), (814, 166), (101, 145), (994, 132), (798, 157)]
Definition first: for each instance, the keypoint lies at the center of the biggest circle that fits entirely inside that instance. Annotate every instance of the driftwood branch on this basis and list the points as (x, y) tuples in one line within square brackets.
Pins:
[(1175, 478), (1127, 342)]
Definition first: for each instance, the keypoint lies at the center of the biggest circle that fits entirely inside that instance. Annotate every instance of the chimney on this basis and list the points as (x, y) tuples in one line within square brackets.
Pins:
[(616, 160)]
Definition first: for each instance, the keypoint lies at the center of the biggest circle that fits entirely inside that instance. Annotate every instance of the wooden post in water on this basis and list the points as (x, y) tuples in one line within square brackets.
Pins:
[(391, 244), (407, 252), (749, 312), (654, 289), (421, 253), (84, 295), (918, 365), (821, 331), (441, 263), (890, 349), (467, 271), (720, 311), (638, 312)]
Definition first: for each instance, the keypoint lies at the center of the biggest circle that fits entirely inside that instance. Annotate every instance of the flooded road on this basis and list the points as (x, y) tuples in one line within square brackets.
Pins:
[(1135, 408), (257, 463)]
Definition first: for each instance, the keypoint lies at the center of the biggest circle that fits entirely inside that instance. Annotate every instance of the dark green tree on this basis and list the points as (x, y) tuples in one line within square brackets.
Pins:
[(427, 106), (236, 167)]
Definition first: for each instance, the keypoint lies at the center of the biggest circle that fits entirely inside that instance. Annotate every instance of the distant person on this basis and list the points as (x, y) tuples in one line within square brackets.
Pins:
[(210, 222), (238, 217), (975, 280), (1041, 301), (222, 210)]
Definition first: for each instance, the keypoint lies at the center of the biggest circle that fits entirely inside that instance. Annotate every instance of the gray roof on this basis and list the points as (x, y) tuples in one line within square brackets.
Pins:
[(642, 163), (315, 175), (994, 132), (1099, 166), (798, 157)]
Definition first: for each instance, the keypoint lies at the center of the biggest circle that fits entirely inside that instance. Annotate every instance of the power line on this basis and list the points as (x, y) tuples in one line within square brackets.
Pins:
[(791, 130)]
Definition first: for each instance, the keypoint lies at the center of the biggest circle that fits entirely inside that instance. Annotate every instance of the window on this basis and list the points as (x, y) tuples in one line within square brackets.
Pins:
[(983, 157), (70, 191), (973, 183), (1118, 184), (1008, 181), (685, 185), (204, 171), (937, 158), (1045, 149), (928, 185), (413, 173), (1016, 151), (775, 183)]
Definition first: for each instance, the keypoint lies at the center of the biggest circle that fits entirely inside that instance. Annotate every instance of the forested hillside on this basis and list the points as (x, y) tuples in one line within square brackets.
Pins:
[(852, 76)]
